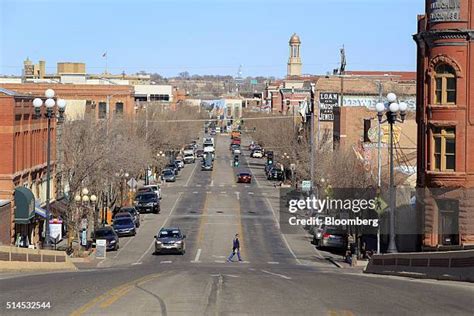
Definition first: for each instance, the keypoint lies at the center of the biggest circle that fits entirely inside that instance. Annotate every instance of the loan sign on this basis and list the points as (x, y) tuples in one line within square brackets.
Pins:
[(327, 102)]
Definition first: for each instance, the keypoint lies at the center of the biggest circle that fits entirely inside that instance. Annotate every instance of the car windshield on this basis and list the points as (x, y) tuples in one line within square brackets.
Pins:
[(145, 197), (104, 233), (169, 234), (123, 221), (168, 173)]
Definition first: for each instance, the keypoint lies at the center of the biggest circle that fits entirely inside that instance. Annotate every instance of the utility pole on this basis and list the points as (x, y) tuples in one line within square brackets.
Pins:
[(312, 153), (379, 163)]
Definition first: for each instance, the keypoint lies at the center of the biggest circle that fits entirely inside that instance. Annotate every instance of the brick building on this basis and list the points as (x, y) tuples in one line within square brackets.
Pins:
[(445, 119), (22, 166), (100, 101)]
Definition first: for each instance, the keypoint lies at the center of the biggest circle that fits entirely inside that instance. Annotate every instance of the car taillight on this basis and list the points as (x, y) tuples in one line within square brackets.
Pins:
[(326, 235)]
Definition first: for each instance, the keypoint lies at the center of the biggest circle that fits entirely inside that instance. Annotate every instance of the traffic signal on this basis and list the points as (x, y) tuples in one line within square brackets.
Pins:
[(236, 161), (270, 158)]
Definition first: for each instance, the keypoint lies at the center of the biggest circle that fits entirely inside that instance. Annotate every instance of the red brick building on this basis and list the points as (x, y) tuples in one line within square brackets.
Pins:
[(22, 165), (100, 101), (445, 120)]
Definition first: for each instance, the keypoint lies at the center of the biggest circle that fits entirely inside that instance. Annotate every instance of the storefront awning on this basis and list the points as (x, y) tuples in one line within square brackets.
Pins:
[(39, 210), (24, 205)]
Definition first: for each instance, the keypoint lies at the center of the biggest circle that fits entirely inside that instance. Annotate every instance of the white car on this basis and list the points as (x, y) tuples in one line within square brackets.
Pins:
[(257, 154), (156, 188)]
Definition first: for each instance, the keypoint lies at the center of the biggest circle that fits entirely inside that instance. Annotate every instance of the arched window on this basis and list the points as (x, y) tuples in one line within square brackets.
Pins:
[(445, 85)]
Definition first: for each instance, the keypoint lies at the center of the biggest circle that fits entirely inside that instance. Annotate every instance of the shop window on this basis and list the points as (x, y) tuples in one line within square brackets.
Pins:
[(444, 149), (445, 85), (160, 97)]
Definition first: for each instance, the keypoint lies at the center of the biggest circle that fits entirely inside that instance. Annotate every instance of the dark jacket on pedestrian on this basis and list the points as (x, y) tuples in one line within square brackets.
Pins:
[(236, 244)]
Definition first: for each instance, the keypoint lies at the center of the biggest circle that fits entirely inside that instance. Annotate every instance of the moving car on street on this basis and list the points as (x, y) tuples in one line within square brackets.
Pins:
[(124, 226), (168, 175), (256, 153), (276, 174), (147, 202), (244, 177), (170, 240), (108, 233)]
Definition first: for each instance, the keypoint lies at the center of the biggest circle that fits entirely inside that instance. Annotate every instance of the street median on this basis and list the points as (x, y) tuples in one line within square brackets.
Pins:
[(449, 265), (24, 259)]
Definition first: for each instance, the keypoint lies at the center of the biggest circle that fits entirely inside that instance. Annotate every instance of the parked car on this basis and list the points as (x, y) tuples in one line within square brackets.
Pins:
[(180, 162), (330, 237), (108, 233), (244, 177), (213, 132), (170, 240), (178, 166), (124, 226), (147, 202), (154, 188), (133, 212), (168, 175), (252, 146), (173, 167)]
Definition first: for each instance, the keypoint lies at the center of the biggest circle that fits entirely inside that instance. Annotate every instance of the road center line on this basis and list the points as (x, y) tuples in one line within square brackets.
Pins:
[(198, 254), (192, 174)]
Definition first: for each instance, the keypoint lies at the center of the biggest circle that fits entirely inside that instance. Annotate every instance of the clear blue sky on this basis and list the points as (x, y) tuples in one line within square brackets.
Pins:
[(208, 36)]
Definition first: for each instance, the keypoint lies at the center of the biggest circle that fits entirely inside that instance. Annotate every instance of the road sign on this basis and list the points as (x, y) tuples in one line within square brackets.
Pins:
[(100, 248), (306, 185), (132, 183)]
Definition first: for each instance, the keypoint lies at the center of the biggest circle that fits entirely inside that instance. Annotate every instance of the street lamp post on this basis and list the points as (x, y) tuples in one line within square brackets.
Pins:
[(51, 107), (83, 199), (394, 112)]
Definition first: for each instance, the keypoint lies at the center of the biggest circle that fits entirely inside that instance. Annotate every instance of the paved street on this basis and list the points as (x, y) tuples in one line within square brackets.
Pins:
[(279, 275)]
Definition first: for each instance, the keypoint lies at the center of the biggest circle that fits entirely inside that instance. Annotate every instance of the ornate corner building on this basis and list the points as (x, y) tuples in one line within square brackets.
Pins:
[(445, 117)]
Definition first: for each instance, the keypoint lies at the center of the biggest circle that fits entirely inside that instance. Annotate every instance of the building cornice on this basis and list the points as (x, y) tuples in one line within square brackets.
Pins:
[(430, 37)]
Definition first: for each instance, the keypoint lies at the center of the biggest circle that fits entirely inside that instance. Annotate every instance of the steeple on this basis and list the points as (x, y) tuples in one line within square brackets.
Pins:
[(294, 62)]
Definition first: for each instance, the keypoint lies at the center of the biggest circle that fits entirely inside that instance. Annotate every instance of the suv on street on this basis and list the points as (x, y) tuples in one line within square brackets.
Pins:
[(170, 240), (147, 202)]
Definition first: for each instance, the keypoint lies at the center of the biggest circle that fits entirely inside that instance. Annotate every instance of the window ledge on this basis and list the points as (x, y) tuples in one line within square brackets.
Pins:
[(443, 106)]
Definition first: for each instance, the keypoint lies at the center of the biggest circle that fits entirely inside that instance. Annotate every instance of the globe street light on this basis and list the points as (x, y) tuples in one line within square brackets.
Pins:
[(394, 112), (54, 110)]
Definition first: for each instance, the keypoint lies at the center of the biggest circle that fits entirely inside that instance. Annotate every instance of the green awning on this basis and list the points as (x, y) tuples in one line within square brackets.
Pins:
[(24, 205)]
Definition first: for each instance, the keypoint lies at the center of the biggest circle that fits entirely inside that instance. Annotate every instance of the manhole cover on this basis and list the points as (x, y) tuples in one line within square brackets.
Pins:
[(251, 212), (220, 212)]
